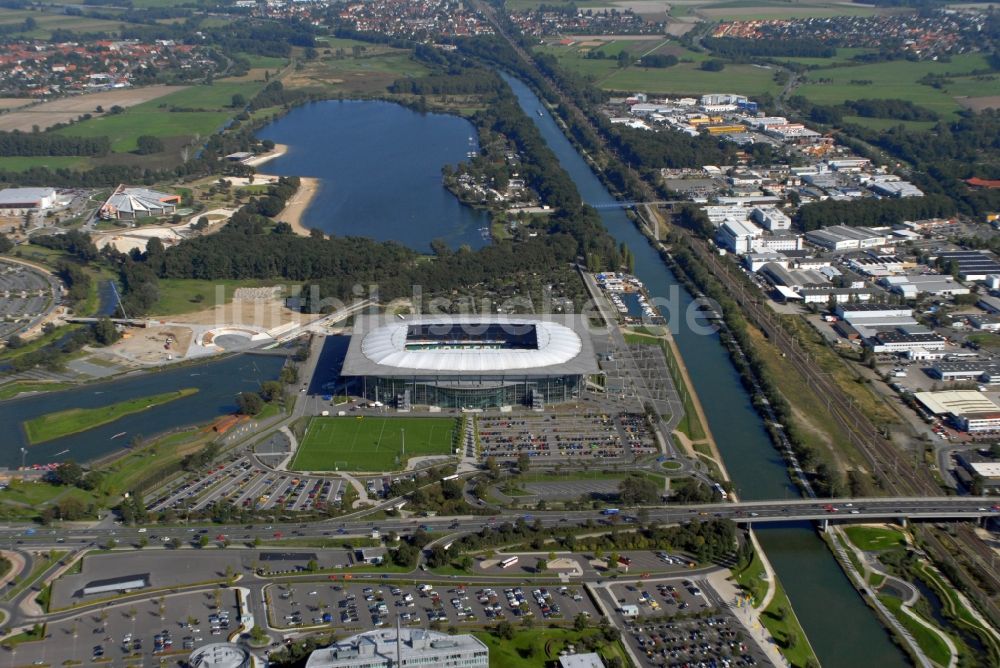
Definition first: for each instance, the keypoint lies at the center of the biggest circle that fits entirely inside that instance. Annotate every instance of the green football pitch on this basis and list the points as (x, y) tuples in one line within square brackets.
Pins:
[(371, 443)]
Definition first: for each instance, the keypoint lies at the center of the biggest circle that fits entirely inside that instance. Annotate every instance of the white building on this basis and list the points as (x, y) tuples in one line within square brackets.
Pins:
[(738, 236), (589, 660), (841, 237), (778, 242), (896, 189), (771, 219), (16, 201), (898, 342), (383, 648), (932, 284)]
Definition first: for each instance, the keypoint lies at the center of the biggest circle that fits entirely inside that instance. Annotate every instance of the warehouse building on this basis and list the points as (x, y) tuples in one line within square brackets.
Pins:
[(969, 264), (841, 237), (980, 470), (470, 361), (738, 236), (968, 410), (17, 201), (910, 287), (390, 648), (901, 342)]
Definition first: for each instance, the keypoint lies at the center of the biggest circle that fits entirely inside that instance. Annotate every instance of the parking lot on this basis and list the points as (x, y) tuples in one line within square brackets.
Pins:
[(363, 606), (168, 568), (136, 633), (240, 482), (664, 632), (559, 437), (24, 295)]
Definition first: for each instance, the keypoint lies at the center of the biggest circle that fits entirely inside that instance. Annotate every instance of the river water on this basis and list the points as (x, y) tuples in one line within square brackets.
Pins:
[(379, 166), (843, 631), (218, 384)]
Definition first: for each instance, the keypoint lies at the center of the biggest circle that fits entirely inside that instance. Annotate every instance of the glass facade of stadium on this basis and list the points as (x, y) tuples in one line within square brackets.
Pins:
[(473, 391)]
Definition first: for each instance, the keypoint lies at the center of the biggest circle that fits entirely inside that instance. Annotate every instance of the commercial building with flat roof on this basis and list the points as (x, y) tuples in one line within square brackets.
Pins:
[(971, 265), (900, 342), (589, 660), (470, 361), (383, 648), (969, 410), (842, 237), (15, 201)]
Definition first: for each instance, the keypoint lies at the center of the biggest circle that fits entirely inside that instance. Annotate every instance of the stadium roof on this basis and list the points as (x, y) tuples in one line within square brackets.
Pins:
[(383, 346)]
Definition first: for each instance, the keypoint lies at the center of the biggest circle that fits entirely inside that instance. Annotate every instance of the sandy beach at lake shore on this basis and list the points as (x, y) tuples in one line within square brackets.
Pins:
[(297, 205), (258, 160)]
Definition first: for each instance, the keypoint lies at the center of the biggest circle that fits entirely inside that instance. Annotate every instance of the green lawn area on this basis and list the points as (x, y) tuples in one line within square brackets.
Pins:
[(888, 123), (121, 475), (23, 163), (155, 118), (539, 647), (269, 62), (74, 420), (371, 443), (871, 539), (929, 641), (13, 389), (786, 628), (898, 80), (177, 295), (752, 580)]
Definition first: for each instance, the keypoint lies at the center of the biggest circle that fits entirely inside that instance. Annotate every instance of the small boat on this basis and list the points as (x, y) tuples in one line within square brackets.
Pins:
[(121, 433), (540, 113), (60, 453)]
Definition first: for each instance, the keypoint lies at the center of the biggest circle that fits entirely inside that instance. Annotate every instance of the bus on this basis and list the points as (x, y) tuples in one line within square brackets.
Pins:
[(610, 511), (453, 476), (509, 561)]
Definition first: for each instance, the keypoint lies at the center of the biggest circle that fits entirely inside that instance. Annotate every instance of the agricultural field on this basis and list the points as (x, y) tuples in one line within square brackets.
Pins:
[(375, 68), (66, 109), (684, 78), (155, 117), (371, 443), (898, 80)]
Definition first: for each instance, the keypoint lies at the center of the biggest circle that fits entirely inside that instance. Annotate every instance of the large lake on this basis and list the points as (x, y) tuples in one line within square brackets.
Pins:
[(380, 170)]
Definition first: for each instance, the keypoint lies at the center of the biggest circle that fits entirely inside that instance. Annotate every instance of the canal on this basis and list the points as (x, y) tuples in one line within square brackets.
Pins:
[(841, 628), (379, 166), (217, 382)]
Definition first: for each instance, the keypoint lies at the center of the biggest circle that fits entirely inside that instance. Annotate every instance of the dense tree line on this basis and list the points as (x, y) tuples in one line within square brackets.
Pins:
[(658, 60), (464, 81), (744, 49), (38, 144), (76, 243), (900, 110), (653, 150), (872, 212), (274, 94)]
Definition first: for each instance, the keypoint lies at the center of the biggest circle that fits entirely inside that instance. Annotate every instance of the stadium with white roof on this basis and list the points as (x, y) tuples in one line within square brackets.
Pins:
[(470, 361)]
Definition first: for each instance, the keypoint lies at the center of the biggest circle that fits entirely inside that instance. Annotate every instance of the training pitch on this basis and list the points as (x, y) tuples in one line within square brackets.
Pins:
[(371, 443)]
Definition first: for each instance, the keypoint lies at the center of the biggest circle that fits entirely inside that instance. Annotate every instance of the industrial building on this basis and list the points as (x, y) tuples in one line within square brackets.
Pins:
[(872, 313), (901, 342), (929, 284), (470, 361), (16, 201), (389, 648), (969, 410), (841, 237), (979, 471), (977, 370), (133, 203), (969, 264), (220, 655), (738, 236)]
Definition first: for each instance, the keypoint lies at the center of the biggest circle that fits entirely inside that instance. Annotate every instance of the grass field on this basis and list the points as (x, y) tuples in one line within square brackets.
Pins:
[(177, 295), (898, 80), (539, 647), (874, 538), (684, 78), (155, 118), (24, 163), (929, 641), (74, 420), (371, 443)]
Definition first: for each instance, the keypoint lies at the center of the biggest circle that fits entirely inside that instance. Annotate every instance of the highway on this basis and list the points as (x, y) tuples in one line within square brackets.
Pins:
[(746, 512)]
